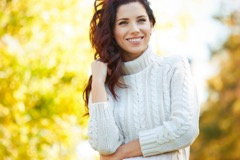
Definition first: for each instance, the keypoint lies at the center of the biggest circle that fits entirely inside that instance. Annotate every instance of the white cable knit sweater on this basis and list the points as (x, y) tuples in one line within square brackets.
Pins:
[(159, 107)]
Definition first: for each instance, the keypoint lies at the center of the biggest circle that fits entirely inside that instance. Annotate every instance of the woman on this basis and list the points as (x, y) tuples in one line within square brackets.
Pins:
[(141, 106)]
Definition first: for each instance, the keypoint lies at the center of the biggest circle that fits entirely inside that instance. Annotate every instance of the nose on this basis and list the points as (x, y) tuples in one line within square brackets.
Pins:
[(134, 28)]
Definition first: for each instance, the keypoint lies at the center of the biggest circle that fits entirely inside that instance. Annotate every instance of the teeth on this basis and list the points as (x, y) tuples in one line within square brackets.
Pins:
[(135, 39)]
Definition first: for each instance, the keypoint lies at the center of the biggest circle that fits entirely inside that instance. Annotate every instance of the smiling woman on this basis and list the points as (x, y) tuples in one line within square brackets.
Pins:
[(132, 30), (141, 106)]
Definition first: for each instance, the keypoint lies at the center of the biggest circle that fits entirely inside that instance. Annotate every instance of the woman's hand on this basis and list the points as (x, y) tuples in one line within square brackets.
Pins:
[(131, 149), (109, 157), (118, 155), (99, 74), (99, 71)]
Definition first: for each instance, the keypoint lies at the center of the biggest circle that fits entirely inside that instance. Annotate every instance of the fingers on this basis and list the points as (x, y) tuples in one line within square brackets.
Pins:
[(99, 71), (109, 71)]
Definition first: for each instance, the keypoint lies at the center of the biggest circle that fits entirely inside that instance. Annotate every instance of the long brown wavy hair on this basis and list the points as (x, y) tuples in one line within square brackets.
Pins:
[(103, 41)]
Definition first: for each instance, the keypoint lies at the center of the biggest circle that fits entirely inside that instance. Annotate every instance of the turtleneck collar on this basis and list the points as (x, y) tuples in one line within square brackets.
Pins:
[(138, 64)]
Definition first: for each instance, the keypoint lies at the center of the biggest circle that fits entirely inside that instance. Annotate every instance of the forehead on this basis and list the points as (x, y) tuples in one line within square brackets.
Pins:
[(133, 9)]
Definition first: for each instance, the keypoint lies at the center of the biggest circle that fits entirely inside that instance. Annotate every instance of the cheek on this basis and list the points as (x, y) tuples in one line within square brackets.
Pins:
[(118, 35), (148, 30)]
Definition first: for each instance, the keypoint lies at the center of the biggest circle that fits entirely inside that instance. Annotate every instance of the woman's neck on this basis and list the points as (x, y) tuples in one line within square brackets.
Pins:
[(139, 63)]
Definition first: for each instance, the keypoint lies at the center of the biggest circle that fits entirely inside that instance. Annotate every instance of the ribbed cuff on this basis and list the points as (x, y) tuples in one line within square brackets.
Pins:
[(101, 110), (148, 142)]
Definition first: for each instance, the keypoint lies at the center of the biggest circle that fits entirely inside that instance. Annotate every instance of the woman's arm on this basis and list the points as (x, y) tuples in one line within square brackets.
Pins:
[(104, 135), (99, 74), (181, 127), (131, 149)]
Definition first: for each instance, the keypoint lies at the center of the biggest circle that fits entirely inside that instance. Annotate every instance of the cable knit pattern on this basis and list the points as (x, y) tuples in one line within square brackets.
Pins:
[(159, 108), (139, 114), (154, 95)]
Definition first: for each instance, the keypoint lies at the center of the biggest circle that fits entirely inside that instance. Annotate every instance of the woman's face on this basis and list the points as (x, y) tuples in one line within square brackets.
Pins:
[(132, 30)]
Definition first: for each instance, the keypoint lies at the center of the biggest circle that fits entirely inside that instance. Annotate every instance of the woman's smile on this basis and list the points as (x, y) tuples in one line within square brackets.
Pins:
[(135, 40)]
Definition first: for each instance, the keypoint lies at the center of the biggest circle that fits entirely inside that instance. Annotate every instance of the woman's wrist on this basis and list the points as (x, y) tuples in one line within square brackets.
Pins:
[(121, 153), (131, 149), (98, 91), (97, 81)]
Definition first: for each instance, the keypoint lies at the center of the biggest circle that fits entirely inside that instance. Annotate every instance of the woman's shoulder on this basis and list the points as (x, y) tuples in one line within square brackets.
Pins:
[(174, 60)]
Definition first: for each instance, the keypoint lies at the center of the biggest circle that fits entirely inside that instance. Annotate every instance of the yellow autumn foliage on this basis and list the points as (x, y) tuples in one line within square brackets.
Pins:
[(44, 56)]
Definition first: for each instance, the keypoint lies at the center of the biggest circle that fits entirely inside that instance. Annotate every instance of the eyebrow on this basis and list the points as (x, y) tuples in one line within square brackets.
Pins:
[(120, 19)]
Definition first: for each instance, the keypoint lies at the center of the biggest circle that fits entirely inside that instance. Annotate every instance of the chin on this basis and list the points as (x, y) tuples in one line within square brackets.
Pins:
[(138, 50)]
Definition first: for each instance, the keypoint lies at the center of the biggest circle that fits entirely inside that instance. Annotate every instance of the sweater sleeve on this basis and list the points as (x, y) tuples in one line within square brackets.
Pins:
[(103, 133), (181, 129)]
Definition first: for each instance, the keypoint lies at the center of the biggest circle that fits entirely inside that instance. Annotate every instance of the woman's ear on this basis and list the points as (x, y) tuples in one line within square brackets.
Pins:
[(151, 23)]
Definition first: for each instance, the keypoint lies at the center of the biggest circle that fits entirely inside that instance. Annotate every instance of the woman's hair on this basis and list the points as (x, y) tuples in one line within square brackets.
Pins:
[(102, 40)]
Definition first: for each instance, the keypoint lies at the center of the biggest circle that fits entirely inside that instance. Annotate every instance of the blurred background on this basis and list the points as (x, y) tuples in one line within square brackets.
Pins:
[(45, 58)]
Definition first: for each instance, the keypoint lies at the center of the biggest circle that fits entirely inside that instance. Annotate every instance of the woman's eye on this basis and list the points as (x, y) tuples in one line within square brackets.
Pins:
[(122, 23), (141, 20)]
